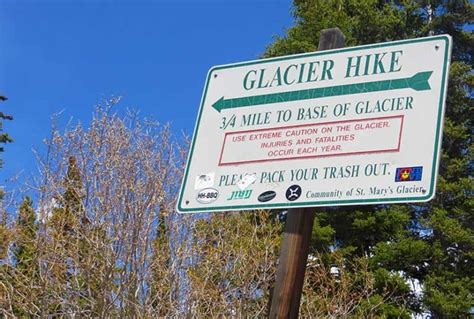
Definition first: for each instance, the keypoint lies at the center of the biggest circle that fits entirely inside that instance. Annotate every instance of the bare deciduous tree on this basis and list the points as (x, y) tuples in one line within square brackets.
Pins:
[(110, 244)]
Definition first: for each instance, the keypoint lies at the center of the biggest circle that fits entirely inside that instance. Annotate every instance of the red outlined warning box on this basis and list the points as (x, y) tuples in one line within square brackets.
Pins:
[(339, 138)]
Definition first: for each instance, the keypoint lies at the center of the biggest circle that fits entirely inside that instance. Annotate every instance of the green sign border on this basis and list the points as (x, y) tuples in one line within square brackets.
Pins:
[(436, 150)]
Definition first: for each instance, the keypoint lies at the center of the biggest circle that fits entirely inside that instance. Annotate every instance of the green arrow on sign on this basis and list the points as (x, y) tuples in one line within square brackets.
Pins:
[(418, 82)]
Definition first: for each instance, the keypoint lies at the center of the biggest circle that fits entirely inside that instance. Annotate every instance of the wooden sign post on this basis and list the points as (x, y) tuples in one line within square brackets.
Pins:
[(299, 224)]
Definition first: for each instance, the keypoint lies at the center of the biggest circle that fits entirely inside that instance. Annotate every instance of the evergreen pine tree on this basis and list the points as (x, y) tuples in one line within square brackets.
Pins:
[(161, 267), (26, 275), (449, 218), (24, 251), (66, 218), (4, 231), (65, 225), (72, 199), (4, 137), (87, 264)]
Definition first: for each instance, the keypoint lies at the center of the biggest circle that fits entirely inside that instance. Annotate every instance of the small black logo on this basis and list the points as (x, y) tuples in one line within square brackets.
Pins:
[(293, 192), (266, 196)]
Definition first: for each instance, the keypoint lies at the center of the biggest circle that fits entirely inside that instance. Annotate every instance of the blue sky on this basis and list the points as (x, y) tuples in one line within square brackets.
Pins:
[(69, 55)]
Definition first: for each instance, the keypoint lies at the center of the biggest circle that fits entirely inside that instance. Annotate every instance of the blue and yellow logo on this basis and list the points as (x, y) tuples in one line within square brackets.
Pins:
[(409, 174)]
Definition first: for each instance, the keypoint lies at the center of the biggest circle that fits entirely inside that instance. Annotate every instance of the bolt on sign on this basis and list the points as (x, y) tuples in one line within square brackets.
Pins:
[(351, 126)]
